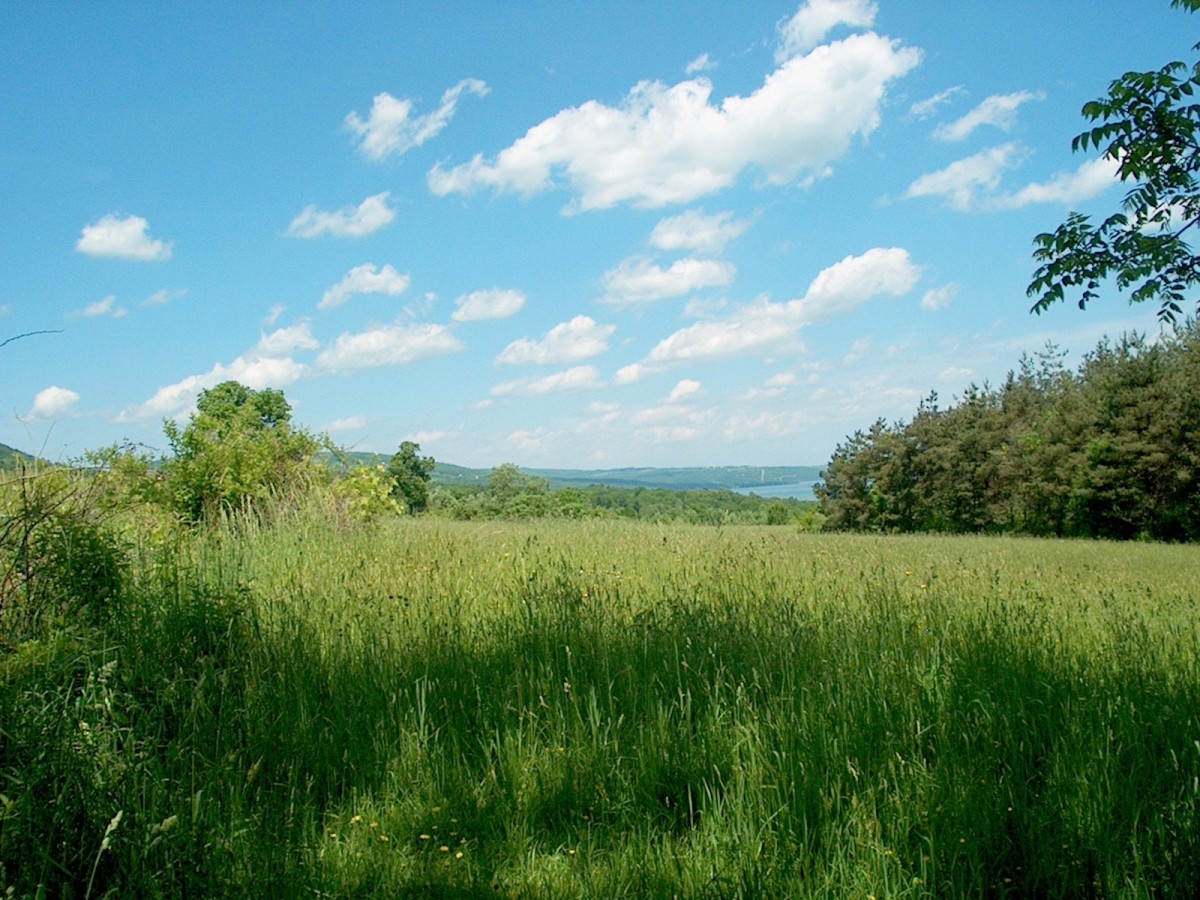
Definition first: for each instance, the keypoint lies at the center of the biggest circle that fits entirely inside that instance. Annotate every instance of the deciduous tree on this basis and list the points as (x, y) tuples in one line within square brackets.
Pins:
[(411, 473), (236, 449), (1149, 125)]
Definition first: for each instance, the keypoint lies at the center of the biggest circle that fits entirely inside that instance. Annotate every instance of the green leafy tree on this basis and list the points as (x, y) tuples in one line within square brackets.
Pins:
[(411, 473), (514, 494), (1149, 125), (237, 449)]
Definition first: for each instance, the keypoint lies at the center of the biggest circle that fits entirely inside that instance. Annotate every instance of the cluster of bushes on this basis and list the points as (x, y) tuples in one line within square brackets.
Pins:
[(59, 560), (1111, 450)]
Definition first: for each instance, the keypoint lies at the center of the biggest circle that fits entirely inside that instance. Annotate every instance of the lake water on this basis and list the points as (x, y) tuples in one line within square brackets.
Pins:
[(801, 490)]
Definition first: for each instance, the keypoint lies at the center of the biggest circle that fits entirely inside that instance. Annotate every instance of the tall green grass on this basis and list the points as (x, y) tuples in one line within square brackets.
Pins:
[(431, 708)]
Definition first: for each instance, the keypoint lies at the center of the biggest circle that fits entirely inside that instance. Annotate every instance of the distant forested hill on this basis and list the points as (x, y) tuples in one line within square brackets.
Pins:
[(695, 478), (682, 479), (10, 457)]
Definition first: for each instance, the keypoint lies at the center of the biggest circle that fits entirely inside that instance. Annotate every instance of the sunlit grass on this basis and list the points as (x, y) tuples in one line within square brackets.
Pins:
[(602, 709)]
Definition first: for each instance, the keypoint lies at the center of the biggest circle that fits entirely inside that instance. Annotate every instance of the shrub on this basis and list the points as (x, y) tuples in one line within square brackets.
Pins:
[(57, 556), (366, 493)]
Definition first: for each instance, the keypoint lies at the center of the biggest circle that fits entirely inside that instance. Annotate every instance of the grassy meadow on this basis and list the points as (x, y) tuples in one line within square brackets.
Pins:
[(431, 708)]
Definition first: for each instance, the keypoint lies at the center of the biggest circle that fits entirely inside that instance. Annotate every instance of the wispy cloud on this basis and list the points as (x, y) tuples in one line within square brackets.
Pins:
[(391, 130), (105, 306), (579, 339), (998, 110), (923, 109), (579, 378), (163, 297), (1090, 179), (816, 18), (939, 298), (350, 221), (350, 423), (974, 183), (273, 314)]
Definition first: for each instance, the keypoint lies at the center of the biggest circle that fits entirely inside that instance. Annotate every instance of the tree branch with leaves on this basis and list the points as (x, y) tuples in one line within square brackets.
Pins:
[(1149, 125)]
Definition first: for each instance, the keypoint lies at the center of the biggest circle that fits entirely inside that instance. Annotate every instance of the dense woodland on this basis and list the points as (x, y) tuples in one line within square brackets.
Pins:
[(1110, 450)]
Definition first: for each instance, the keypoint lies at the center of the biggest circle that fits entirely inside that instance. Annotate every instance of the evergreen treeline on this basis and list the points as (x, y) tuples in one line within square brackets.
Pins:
[(1111, 450)]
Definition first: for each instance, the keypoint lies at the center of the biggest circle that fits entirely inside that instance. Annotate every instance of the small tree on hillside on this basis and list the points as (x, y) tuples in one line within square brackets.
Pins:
[(411, 473)]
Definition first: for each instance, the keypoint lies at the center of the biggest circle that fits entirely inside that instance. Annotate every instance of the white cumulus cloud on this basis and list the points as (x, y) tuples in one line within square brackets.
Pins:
[(999, 110), (388, 345), (671, 144), (53, 402), (580, 338), (695, 231), (117, 238), (847, 284), (365, 279), (479, 306), (391, 129), (639, 280), (350, 221)]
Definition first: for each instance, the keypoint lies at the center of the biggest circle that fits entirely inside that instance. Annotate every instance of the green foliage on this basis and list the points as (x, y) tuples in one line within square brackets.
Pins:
[(512, 494), (366, 493), (410, 475), (1149, 126), (1112, 451), (237, 449), (58, 558)]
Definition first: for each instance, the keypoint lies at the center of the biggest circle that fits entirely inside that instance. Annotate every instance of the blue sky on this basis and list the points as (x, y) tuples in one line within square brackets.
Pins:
[(557, 234)]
